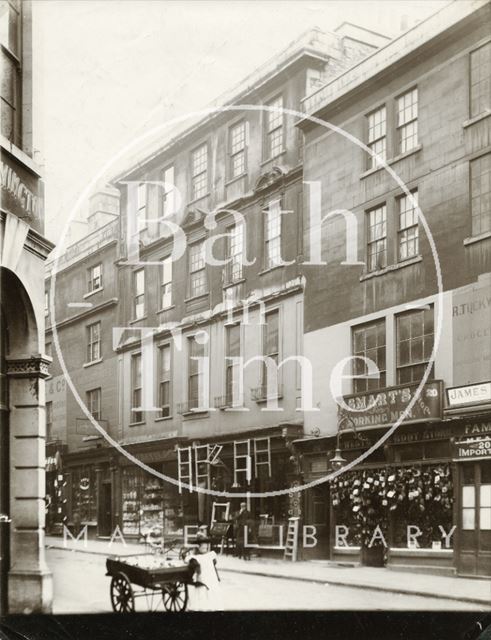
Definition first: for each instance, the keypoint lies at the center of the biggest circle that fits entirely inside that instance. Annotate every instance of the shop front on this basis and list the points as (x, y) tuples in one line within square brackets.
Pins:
[(89, 481), (469, 410), (399, 498), (151, 506), (56, 488)]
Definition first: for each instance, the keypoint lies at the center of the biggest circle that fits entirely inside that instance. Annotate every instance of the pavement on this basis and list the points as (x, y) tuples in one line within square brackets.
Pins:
[(466, 590)]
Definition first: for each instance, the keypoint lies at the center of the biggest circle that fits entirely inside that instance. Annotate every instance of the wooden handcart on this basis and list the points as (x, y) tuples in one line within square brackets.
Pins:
[(161, 582)]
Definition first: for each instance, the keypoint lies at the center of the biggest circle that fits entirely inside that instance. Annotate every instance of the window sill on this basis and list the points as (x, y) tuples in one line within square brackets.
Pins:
[(391, 161), (236, 179), (392, 267), (90, 364), (406, 154), (227, 285), (91, 293), (135, 320), (194, 298), (136, 424), (195, 200), (269, 269), (269, 160), (163, 419), (479, 238), (169, 308), (478, 118), (196, 413)]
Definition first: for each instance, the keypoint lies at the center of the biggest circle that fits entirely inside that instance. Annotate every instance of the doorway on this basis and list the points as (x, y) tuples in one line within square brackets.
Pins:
[(4, 472), (105, 510), (474, 522)]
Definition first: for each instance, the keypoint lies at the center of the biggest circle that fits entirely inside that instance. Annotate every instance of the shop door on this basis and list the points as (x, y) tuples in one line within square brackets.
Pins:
[(4, 475), (105, 511), (474, 546), (317, 516)]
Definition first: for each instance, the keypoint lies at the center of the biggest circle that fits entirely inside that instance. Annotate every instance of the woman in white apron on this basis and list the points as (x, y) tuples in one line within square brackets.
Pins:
[(205, 593)]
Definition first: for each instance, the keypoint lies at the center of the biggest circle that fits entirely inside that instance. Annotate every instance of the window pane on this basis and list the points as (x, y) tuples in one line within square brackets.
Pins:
[(485, 519), (271, 342), (468, 519), (480, 170), (468, 496), (485, 497), (480, 86)]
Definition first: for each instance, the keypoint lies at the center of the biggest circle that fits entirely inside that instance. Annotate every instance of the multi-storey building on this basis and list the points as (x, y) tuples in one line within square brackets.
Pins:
[(85, 299), (25, 581), (167, 325), (403, 266)]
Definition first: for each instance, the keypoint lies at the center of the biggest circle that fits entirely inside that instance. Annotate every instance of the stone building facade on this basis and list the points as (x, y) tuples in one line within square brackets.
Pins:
[(423, 104), (25, 580), (156, 405)]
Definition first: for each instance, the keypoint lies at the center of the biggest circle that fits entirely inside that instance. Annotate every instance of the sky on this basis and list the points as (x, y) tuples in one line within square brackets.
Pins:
[(109, 70)]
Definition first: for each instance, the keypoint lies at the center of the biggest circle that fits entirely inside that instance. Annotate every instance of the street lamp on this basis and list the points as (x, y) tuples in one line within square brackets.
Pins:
[(338, 461)]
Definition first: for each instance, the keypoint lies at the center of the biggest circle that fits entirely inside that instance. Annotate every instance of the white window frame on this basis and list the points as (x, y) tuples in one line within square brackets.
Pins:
[(94, 346), (94, 394), (141, 207), (237, 149), (235, 253), (138, 294), (408, 231), (197, 265), (92, 278), (165, 378), (136, 389), (166, 283), (274, 128), (479, 76), (199, 172), (272, 234), (377, 135), (375, 240), (168, 198), (407, 106)]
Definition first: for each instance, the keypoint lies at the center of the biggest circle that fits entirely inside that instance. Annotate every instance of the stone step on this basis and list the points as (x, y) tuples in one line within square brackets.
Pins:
[(430, 569)]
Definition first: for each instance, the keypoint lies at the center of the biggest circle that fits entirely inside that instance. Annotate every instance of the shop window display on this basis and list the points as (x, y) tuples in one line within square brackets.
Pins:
[(393, 498), (84, 500), (131, 501)]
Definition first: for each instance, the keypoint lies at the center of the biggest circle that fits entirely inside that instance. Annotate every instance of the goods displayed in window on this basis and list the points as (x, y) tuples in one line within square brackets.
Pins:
[(409, 507)]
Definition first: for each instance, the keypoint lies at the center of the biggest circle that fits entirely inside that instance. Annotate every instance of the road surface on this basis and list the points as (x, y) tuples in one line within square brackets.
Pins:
[(81, 586)]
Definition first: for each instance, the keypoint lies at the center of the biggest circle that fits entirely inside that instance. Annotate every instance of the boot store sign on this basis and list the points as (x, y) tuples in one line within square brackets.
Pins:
[(386, 407)]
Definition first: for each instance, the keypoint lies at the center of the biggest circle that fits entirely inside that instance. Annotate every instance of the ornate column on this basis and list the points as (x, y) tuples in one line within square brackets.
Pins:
[(30, 581)]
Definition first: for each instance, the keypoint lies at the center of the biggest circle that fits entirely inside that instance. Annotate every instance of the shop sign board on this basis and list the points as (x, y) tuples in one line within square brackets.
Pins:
[(473, 448), (384, 407), (469, 394), (471, 330), (21, 191), (476, 428)]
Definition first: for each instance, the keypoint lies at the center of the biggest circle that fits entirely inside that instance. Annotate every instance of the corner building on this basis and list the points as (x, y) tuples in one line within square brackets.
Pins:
[(25, 580)]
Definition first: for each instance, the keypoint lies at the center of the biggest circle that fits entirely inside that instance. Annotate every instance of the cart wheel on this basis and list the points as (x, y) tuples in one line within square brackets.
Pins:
[(122, 598), (175, 596)]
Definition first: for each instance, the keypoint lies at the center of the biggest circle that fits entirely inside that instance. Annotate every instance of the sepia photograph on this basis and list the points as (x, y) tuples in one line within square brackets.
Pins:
[(245, 319)]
